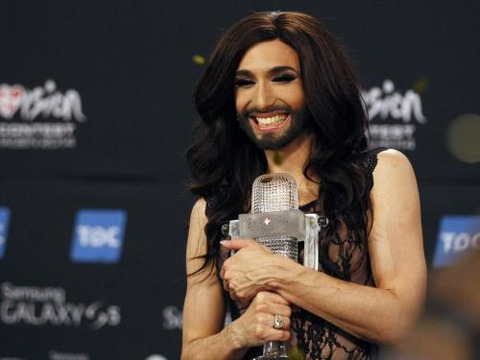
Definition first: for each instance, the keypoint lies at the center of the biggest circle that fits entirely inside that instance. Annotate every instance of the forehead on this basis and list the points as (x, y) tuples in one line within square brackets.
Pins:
[(269, 54)]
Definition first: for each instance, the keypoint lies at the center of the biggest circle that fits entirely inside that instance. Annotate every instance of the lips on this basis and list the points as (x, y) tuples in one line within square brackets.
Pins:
[(269, 121)]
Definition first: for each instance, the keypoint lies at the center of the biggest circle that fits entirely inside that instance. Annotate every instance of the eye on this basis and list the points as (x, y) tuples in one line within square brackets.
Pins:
[(243, 82), (284, 78)]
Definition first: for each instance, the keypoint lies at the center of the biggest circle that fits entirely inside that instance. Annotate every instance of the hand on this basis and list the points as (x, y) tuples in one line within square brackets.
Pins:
[(255, 326), (245, 273)]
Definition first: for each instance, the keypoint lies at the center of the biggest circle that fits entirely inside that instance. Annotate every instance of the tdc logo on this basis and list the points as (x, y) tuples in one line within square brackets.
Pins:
[(98, 236), (4, 221), (457, 235)]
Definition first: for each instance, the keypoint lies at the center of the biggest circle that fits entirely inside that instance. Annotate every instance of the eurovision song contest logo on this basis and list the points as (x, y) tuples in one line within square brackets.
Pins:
[(394, 115), (39, 118)]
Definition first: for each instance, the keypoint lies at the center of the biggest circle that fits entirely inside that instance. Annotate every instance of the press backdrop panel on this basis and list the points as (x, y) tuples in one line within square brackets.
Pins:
[(54, 302), (95, 116)]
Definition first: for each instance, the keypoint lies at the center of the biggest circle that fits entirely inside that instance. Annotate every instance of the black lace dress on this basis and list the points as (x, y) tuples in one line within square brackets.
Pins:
[(313, 337)]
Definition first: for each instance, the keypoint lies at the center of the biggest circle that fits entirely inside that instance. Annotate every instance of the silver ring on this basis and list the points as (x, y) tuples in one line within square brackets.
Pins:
[(277, 322)]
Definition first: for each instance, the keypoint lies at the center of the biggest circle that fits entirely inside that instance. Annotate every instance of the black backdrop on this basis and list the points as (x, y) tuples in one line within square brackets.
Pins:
[(96, 113)]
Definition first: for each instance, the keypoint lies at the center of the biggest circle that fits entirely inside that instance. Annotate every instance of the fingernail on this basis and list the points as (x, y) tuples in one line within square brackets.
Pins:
[(223, 242)]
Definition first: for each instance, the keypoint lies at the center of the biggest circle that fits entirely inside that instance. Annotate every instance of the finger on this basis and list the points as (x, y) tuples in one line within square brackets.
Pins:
[(231, 291), (285, 322), (223, 269), (237, 244), (276, 309), (267, 296), (266, 331), (233, 296), (278, 335)]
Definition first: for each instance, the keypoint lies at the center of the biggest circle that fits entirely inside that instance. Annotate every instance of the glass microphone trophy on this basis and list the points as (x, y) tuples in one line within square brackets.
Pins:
[(276, 222)]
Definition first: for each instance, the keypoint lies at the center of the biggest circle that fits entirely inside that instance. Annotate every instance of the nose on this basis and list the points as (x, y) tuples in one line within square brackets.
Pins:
[(263, 96)]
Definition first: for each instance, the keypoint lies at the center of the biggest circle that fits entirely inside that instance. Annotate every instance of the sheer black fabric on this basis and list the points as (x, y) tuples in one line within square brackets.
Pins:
[(312, 336)]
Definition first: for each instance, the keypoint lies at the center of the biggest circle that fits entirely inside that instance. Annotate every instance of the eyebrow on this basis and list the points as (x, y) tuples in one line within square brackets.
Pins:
[(272, 71)]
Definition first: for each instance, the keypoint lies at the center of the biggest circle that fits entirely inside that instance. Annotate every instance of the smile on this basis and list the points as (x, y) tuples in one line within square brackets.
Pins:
[(270, 122)]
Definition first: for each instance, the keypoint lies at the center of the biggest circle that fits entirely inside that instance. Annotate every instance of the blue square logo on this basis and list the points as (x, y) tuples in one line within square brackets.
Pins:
[(456, 236), (4, 222), (98, 236)]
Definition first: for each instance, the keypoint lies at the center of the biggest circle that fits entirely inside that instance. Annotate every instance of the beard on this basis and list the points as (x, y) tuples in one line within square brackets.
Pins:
[(299, 123)]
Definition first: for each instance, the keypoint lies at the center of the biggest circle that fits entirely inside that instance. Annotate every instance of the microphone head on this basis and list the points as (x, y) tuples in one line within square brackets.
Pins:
[(274, 192)]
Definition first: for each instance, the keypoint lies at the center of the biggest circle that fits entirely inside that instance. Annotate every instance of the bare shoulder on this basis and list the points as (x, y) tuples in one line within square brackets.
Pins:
[(395, 187), (393, 160), (393, 168)]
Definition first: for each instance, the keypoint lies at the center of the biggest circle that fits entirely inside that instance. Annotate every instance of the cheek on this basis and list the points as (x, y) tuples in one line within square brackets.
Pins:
[(240, 102), (295, 97)]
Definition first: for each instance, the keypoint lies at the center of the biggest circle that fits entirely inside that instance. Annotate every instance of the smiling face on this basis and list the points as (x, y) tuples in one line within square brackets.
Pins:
[(269, 96)]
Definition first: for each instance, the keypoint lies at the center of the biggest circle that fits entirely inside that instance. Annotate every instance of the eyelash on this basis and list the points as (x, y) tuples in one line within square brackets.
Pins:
[(280, 79), (243, 82), (284, 78)]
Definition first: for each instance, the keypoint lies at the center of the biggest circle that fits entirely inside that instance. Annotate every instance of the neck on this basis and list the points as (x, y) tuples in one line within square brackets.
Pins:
[(292, 160)]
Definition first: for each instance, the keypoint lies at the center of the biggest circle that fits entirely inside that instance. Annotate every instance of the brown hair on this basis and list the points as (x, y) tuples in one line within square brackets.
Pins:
[(224, 162)]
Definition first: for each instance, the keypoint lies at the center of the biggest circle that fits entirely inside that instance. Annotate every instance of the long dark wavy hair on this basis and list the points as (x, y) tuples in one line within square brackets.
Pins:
[(224, 162)]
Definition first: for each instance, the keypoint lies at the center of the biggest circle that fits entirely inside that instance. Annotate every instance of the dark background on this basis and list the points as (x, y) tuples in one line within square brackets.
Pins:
[(132, 64)]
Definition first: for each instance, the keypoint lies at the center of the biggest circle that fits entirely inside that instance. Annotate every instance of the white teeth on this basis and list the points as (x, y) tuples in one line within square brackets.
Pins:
[(272, 120)]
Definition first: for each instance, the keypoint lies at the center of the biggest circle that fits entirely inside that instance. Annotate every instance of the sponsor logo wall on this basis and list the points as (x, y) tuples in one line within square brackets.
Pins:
[(98, 236), (48, 306), (457, 235), (4, 221), (96, 112)]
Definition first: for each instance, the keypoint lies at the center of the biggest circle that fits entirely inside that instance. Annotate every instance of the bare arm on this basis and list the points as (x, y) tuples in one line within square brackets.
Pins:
[(203, 312), (381, 314)]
